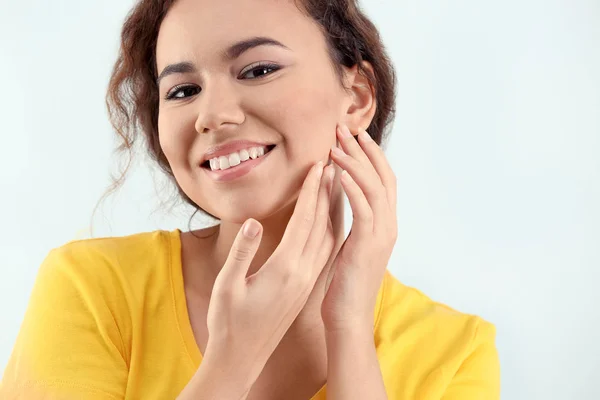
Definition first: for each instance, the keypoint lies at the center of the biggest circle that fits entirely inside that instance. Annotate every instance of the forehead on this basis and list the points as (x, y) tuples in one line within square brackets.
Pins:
[(199, 30)]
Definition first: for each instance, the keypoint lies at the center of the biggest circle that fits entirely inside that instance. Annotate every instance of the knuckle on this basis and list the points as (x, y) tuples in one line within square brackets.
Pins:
[(241, 254), (226, 292), (283, 274), (296, 277), (302, 281)]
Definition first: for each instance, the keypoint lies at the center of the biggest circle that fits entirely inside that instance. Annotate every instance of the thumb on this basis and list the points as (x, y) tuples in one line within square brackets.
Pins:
[(241, 254)]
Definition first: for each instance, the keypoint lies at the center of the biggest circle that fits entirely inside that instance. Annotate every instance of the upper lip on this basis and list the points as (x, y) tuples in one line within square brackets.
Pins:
[(230, 147)]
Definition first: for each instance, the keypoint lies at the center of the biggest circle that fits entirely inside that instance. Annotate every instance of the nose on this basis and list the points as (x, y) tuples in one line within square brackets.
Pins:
[(220, 105)]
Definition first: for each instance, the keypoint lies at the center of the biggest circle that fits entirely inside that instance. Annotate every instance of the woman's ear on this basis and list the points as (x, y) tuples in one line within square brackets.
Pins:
[(362, 101)]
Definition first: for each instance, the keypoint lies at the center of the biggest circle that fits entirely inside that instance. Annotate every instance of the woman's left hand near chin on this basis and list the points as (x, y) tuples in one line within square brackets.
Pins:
[(359, 267)]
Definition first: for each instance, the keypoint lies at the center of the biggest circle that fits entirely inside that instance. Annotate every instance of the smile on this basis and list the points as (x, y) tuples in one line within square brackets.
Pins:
[(239, 170)]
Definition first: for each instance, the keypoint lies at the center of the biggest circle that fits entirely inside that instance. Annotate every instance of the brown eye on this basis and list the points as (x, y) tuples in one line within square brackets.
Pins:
[(261, 70), (182, 92)]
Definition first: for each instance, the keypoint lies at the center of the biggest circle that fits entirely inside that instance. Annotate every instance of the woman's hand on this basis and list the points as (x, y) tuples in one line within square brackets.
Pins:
[(359, 267), (248, 316)]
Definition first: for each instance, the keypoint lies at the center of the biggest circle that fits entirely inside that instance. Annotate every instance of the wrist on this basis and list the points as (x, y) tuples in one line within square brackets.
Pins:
[(221, 364), (349, 339), (356, 328), (215, 381), (347, 346)]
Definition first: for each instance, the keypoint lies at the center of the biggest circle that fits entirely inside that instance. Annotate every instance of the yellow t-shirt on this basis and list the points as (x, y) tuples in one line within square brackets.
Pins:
[(107, 319)]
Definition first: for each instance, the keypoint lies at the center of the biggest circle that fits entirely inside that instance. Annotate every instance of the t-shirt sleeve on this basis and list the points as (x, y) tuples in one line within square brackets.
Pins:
[(69, 345), (478, 377)]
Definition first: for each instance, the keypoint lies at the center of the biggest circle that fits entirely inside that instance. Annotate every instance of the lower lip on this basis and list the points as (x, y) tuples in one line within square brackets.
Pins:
[(238, 171)]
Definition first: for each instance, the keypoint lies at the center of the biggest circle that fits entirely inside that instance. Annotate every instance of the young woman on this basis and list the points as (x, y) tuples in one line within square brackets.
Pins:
[(263, 113)]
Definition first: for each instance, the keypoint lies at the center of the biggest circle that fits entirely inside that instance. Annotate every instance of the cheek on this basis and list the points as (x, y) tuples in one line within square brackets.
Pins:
[(306, 115), (308, 103), (172, 139)]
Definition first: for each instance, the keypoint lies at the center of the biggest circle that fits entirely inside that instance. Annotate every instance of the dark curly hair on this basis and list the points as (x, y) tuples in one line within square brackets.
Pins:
[(132, 98)]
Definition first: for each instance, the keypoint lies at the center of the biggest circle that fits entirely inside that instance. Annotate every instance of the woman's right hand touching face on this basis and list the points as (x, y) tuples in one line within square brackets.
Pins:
[(248, 317)]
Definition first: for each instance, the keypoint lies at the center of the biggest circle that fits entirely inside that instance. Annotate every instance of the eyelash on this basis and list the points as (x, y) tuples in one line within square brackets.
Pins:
[(274, 67)]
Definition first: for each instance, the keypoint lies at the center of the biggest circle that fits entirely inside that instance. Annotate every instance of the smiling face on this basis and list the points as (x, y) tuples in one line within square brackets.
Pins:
[(294, 103)]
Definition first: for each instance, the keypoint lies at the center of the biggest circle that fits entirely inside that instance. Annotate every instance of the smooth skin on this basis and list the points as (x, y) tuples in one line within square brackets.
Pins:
[(250, 315), (359, 267), (297, 106), (283, 284)]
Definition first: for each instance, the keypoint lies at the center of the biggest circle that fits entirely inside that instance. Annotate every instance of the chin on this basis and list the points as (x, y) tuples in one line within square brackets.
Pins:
[(238, 211)]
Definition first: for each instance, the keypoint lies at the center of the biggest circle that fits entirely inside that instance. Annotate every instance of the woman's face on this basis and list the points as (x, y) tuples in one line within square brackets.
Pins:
[(295, 105)]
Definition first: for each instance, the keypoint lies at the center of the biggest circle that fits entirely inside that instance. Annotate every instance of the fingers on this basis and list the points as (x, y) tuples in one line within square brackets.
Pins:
[(364, 160), (325, 251), (317, 234), (352, 148), (362, 214), (241, 255), (379, 161), (301, 223), (373, 158)]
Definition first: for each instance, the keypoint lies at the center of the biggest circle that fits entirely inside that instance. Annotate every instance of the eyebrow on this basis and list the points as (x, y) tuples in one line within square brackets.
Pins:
[(231, 53)]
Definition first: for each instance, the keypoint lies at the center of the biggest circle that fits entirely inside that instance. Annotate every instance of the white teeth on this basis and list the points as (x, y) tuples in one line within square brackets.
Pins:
[(233, 159), (223, 162)]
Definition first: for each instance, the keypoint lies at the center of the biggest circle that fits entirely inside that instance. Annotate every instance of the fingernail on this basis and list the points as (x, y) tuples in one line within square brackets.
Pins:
[(364, 135), (345, 131), (330, 173), (319, 169), (251, 229), (338, 151)]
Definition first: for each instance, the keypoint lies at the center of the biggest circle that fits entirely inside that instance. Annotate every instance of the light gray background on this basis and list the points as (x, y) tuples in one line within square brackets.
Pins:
[(495, 146)]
